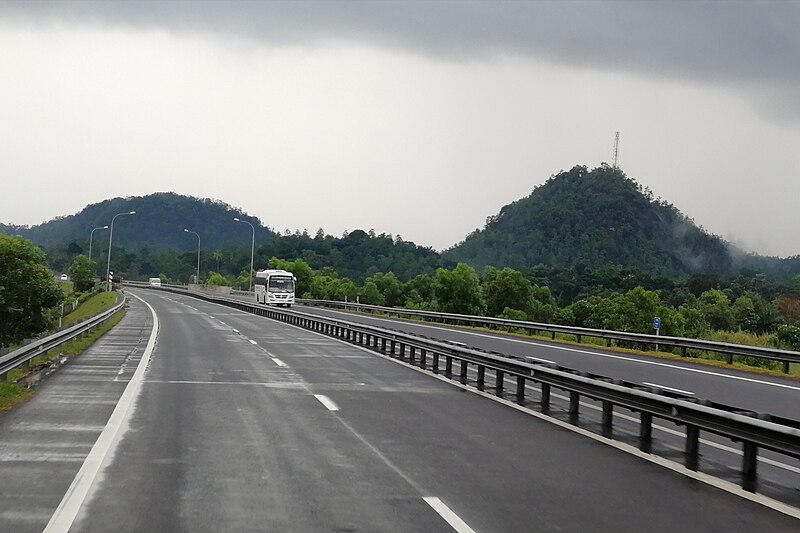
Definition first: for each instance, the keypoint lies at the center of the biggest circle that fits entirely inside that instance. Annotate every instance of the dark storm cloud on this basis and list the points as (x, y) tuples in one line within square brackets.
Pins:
[(753, 46)]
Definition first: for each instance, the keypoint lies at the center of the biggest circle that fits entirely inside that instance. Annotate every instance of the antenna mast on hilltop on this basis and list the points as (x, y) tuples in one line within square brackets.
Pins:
[(616, 148)]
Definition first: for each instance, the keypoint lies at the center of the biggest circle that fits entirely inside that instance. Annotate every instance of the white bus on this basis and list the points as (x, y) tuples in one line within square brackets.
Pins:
[(275, 287)]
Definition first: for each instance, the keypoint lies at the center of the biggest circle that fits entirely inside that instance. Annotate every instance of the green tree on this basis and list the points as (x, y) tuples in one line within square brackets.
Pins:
[(27, 290), (81, 271), (459, 291), (716, 309), (301, 270), (371, 295), (506, 288), (215, 278), (390, 287)]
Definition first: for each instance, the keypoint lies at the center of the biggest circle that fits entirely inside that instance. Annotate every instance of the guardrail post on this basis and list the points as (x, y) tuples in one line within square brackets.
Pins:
[(435, 361), (553, 335), (608, 417), (402, 350), (608, 343), (448, 366), (749, 466), (520, 389), (481, 376), (574, 404), (786, 367), (545, 397), (692, 447), (383, 344), (729, 358), (645, 431), (463, 375), (412, 354), (499, 382), (393, 343), (578, 338), (423, 358)]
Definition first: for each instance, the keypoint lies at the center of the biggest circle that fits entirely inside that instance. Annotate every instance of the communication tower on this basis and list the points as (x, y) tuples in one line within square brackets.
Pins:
[(616, 148)]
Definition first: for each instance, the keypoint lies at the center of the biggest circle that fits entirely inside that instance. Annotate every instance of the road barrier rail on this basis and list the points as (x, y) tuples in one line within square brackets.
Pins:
[(753, 430), (26, 354), (786, 357)]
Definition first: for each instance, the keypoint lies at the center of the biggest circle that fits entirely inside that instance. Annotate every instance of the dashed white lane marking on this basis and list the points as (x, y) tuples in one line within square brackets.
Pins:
[(449, 516), (599, 354), (679, 391), (235, 331), (106, 444), (279, 362), (223, 323), (327, 402), (251, 341)]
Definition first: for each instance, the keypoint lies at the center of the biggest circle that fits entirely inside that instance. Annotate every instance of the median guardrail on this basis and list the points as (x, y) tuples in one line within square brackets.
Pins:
[(786, 357), (753, 430), (27, 353)]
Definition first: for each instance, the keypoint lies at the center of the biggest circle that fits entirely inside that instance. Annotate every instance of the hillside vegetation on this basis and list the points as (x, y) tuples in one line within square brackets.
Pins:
[(592, 218), (158, 223)]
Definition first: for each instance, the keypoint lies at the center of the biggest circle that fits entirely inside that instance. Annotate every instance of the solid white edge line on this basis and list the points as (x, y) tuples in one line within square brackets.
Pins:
[(673, 389), (279, 362), (106, 443), (327, 402), (449, 516)]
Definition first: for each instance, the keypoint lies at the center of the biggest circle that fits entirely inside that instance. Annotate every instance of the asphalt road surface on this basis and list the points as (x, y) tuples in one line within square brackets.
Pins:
[(245, 424)]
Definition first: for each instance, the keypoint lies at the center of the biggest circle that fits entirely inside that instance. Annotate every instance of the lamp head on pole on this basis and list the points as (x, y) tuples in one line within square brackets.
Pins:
[(236, 219)]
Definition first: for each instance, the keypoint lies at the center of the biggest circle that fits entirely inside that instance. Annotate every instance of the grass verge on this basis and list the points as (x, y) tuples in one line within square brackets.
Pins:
[(92, 306)]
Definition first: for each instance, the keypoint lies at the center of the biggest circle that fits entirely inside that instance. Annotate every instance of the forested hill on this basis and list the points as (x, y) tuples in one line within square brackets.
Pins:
[(158, 223), (593, 218)]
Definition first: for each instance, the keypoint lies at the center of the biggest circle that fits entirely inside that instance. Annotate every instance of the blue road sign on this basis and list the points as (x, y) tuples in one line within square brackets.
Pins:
[(656, 323)]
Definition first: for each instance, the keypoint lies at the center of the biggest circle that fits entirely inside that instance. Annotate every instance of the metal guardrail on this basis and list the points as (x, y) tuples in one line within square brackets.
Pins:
[(753, 430), (26, 354), (784, 356)]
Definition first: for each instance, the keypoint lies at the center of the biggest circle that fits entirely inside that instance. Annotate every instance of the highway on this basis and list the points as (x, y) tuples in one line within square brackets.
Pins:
[(240, 423)]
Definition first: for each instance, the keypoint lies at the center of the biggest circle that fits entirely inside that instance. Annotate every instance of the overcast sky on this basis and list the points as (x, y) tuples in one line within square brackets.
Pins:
[(412, 118)]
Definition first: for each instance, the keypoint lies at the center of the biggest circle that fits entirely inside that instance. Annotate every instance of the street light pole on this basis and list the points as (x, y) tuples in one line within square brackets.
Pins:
[(252, 249), (111, 236), (197, 277), (91, 234)]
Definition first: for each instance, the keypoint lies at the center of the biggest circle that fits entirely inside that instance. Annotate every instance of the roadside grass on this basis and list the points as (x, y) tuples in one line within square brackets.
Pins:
[(92, 306), (13, 393), (699, 358)]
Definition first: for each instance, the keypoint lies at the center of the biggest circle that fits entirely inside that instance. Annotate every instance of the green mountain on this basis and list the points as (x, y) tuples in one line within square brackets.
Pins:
[(158, 223), (595, 217)]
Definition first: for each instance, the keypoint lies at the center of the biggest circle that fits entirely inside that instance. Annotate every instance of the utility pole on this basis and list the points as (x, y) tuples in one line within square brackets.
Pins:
[(616, 148)]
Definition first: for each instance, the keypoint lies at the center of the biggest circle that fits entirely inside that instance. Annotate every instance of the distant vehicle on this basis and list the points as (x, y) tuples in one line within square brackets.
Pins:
[(155, 282), (64, 277), (275, 287)]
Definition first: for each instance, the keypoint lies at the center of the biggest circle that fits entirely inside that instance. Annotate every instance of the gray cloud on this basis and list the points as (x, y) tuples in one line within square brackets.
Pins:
[(708, 40)]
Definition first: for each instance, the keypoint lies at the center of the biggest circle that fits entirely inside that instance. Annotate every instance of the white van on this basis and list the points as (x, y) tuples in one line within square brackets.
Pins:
[(155, 282)]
